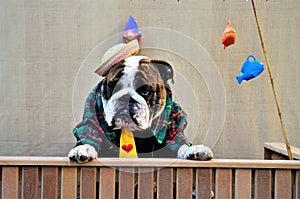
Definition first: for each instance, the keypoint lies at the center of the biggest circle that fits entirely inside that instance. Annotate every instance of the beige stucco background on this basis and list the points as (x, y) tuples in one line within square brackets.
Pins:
[(49, 50)]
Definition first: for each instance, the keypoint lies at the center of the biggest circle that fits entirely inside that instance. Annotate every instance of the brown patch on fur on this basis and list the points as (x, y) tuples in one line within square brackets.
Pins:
[(111, 79), (150, 85)]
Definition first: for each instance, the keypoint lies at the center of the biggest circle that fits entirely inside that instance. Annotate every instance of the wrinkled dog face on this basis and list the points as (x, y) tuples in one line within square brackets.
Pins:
[(133, 92)]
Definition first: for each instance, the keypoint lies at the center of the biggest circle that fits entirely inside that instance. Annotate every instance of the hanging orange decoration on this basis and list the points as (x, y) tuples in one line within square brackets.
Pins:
[(229, 35)]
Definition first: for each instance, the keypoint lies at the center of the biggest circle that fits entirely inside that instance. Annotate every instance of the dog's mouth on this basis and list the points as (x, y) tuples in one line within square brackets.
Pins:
[(134, 118), (122, 118)]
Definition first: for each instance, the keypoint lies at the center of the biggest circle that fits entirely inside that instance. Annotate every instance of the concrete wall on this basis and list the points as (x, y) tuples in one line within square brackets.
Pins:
[(49, 50)]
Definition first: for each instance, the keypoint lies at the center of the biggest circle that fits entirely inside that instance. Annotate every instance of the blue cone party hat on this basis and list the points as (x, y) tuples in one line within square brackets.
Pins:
[(131, 31)]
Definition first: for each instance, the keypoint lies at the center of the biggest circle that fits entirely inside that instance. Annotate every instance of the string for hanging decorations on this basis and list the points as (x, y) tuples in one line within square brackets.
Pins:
[(288, 148), (246, 0)]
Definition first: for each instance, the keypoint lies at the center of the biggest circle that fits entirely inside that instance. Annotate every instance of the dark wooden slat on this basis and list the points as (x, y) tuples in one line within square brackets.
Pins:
[(297, 184), (184, 183), (145, 183), (69, 182), (203, 183), (30, 182), (223, 183), (88, 182), (126, 183), (49, 182), (10, 179), (107, 186), (263, 184), (283, 184), (243, 183), (165, 183)]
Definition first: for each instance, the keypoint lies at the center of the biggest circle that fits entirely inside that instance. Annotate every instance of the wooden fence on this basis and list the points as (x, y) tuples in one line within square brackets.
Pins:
[(57, 177)]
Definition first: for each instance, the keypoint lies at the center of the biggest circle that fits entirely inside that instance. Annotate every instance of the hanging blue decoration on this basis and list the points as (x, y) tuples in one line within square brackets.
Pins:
[(250, 69)]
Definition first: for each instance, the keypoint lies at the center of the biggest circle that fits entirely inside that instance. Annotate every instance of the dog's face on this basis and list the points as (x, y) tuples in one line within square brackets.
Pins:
[(133, 92)]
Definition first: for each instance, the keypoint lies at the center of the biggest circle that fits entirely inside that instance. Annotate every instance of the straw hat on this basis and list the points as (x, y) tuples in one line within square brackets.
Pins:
[(116, 54)]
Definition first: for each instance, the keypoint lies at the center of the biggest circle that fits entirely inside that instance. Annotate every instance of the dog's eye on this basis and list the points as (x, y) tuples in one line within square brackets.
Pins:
[(145, 91)]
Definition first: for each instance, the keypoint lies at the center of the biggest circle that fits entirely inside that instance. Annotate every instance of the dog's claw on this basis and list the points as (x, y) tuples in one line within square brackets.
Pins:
[(83, 158)]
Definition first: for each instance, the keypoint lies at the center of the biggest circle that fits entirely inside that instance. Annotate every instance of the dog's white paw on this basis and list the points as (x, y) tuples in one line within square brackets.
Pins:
[(197, 152), (83, 153)]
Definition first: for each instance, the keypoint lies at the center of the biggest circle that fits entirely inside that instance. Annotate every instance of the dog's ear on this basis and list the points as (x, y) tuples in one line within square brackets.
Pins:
[(165, 69)]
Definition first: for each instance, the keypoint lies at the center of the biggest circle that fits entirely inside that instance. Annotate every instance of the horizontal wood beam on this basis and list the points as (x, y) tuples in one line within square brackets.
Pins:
[(149, 162)]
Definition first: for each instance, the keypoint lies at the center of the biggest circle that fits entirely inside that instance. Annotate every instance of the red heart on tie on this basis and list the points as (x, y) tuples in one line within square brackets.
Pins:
[(127, 147)]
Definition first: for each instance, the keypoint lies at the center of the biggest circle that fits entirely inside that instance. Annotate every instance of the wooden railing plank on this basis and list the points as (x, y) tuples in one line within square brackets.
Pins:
[(30, 182), (152, 162), (184, 183), (243, 183), (69, 182), (297, 184), (165, 183), (126, 183), (263, 184), (145, 183), (49, 182), (10, 180), (283, 184), (203, 183), (223, 183), (107, 182), (88, 182)]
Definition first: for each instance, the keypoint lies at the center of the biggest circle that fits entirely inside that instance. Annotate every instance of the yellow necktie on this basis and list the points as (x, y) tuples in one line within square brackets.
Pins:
[(127, 144)]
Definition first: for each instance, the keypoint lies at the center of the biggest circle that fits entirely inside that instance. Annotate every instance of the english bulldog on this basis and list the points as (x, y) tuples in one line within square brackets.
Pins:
[(135, 94)]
